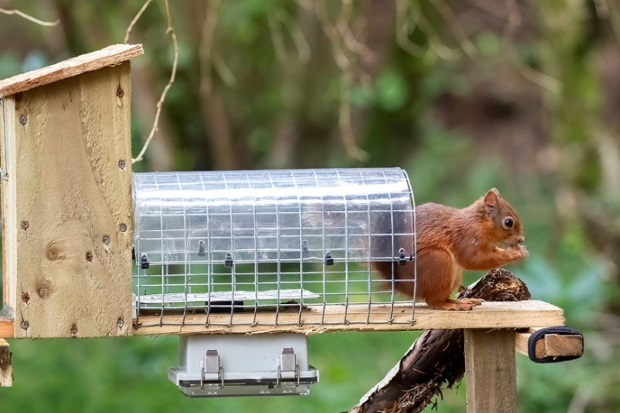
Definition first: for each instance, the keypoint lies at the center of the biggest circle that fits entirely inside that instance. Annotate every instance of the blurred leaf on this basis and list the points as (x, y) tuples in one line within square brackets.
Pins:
[(488, 43), (391, 90), (9, 65)]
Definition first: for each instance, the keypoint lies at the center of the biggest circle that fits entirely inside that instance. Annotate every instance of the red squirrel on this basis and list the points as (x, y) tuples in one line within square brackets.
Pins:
[(485, 235)]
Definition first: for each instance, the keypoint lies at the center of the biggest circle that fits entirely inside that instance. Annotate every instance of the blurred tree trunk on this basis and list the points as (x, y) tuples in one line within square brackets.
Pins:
[(224, 153), (582, 53)]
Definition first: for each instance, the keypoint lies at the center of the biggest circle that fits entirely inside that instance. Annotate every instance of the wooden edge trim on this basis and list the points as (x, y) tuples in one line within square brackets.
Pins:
[(109, 56)]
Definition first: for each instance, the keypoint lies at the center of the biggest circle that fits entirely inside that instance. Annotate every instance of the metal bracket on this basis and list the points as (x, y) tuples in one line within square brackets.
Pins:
[(401, 257), (212, 369), (288, 368), (228, 261), (144, 261), (329, 260)]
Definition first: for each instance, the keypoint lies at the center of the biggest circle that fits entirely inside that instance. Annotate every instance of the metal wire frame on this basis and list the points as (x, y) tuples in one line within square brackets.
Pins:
[(225, 244)]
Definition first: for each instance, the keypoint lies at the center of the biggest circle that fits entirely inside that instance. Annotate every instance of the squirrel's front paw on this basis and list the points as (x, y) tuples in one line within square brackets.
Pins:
[(519, 251), (515, 252)]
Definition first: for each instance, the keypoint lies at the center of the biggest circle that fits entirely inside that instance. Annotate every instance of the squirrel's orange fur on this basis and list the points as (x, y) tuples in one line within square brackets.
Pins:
[(482, 236)]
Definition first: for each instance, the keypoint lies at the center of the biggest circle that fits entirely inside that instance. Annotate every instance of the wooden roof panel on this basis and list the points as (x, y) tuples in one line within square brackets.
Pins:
[(109, 56)]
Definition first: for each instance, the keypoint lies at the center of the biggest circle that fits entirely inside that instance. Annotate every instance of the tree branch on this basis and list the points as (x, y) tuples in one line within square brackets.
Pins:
[(160, 103), (29, 17)]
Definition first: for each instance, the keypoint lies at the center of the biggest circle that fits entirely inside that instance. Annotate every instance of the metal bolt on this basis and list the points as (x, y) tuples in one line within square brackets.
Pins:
[(25, 225), (25, 297), (121, 164), (106, 239), (25, 325), (123, 227), (120, 92), (89, 256), (23, 119), (120, 323), (74, 330)]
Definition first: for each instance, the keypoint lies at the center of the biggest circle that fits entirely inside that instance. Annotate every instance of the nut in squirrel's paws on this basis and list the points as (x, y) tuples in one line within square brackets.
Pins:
[(518, 250)]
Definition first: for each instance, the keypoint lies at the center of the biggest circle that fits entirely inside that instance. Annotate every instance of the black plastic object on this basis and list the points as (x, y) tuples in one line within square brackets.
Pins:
[(540, 334)]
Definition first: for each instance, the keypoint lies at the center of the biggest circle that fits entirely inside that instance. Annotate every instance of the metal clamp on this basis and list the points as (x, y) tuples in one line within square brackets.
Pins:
[(329, 260), (212, 368), (144, 261), (288, 368)]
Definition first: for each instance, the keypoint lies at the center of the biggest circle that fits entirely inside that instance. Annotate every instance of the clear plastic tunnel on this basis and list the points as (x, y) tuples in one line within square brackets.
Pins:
[(251, 237)]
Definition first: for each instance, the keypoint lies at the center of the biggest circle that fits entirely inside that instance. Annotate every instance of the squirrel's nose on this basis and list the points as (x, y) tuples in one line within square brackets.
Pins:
[(521, 239)]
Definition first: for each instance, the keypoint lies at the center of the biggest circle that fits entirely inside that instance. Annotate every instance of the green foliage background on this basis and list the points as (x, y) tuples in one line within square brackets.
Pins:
[(465, 95)]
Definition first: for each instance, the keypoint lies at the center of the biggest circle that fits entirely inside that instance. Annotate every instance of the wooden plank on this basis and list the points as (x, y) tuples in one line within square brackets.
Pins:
[(6, 368), (9, 194), (522, 339), (557, 345), (110, 56), (553, 345), (490, 371), (72, 217), (355, 317)]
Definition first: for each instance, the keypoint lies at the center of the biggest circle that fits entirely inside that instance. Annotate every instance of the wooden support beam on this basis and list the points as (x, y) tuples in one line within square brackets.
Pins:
[(6, 369), (490, 371), (552, 345)]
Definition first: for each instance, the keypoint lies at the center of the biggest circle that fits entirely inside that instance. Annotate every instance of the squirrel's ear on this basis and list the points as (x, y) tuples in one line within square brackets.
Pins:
[(491, 199)]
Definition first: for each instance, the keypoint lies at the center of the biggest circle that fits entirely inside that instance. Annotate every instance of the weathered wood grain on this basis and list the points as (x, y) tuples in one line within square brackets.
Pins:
[(110, 56), (490, 371), (69, 179), (338, 318), (9, 229)]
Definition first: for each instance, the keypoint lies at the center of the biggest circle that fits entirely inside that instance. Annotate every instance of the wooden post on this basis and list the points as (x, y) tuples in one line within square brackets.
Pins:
[(66, 196), (490, 371)]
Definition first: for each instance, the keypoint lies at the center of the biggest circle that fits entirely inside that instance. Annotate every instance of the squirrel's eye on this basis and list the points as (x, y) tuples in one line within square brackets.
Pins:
[(508, 223)]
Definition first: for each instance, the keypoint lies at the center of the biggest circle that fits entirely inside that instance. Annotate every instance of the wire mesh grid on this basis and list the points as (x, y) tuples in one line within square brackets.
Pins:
[(279, 247)]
